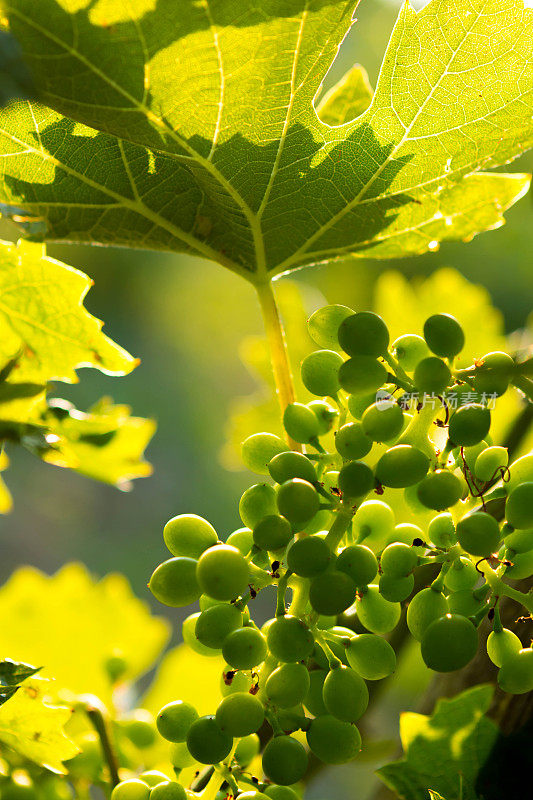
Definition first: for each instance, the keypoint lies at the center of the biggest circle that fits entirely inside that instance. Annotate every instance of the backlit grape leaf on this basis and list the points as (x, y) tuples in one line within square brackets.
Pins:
[(72, 623), (347, 99), (15, 78), (12, 674), (202, 136), (444, 751), (33, 727)]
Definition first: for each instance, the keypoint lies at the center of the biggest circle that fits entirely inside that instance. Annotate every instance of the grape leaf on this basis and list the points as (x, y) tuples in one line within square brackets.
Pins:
[(347, 99), (15, 78), (190, 126), (12, 674), (444, 751)]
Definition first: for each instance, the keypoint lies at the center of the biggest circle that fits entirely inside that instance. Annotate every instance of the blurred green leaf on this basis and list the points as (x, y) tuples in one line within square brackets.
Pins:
[(347, 99), (256, 181)]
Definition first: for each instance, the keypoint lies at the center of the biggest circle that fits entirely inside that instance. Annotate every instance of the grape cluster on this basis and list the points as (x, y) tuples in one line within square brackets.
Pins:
[(321, 528)]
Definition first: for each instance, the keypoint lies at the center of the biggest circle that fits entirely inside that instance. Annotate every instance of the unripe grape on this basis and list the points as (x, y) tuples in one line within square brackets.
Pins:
[(469, 455), (189, 535), (169, 790), (409, 350), (521, 471), (493, 373), (401, 466), (406, 533), (284, 760), (206, 742), (356, 479), (516, 673), (357, 404), (490, 462), (188, 633), (478, 534), (240, 714), (247, 749), (375, 613), (272, 532), (332, 740), (449, 643), (259, 449), (441, 531), (461, 575), (432, 376), (222, 572), (522, 566), (288, 685), (439, 490), (502, 645), (332, 592), (286, 466), (374, 521), (351, 442), (280, 793), (298, 501), (396, 590), (257, 502), (425, 607), (130, 790), (139, 727), (180, 756), (244, 648), (174, 582), (116, 666), (398, 560), (345, 694), (253, 795), (308, 557), (519, 541), (359, 563), (153, 777), (323, 325), (320, 373), (314, 700), (289, 639), (362, 375), (383, 420), (469, 424), (215, 623), (364, 333), (231, 682), (330, 481), (519, 506), (444, 335), (371, 657), (325, 414), (243, 540), (465, 602), (300, 423)]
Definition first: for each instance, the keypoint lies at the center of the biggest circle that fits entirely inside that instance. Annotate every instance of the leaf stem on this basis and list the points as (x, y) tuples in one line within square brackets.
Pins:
[(97, 717)]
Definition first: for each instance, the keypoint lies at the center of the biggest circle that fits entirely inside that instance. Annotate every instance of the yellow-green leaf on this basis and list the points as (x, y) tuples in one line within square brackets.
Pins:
[(347, 99)]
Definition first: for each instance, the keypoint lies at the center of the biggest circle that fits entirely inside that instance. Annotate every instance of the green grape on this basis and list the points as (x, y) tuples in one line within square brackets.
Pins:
[(490, 462), (280, 793), (359, 563), (287, 685), (247, 749), (409, 350), (478, 533), (357, 404), (493, 373), (410, 496), (298, 501), (441, 531), (375, 613), (180, 756), (300, 423), (345, 694), (291, 719), (332, 740), (383, 420), (351, 442), (116, 666), (502, 645), (206, 602), (407, 533), (332, 592), (308, 557), (425, 607), (222, 572), (519, 541), (362, 375), (363, 333), (257, 502), (314, 700), (371, 657), (449, 643), (469, 425), (259, 449), (323, 325), (469, 455), (516, 673), (188, 633), (244, 648), (284, 760), (330, 481), (240, 714), (206, 742), (153, 777), (432, 376), (401, 466), (242, 539), (320, 373), (189, 535), (272, 532), (232, 681), (444, 335), (139, 727), (325, 622), (373, 521), (461, 575), (439, 490), (289, 639), (398, 560), (519, 506), (253, 795), (170, 790), (356, 479), (464, 602), (129, 790), (521, 471), (286, 466), (396, 590), (174, 582), (325, 414), (522, 566), (215, 623)]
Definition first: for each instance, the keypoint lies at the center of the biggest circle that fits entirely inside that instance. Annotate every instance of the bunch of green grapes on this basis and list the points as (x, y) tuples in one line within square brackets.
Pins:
[(318, 526)]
